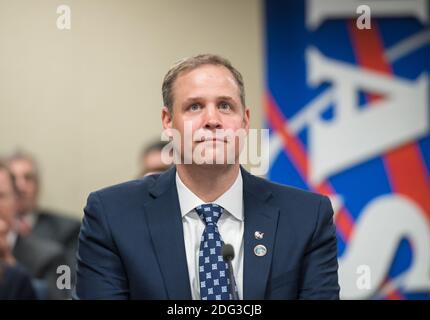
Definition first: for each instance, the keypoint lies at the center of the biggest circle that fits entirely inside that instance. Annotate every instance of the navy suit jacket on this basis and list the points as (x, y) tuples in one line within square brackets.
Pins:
[(15, 283), (131, 244)]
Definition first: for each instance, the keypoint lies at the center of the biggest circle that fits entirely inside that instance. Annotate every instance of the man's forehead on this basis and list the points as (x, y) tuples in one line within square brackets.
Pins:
[(22, 164), (216, 80), (202, 74), (222, 97)]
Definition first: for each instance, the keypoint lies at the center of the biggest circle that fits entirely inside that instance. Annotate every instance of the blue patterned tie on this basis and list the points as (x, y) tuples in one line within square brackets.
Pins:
[(213, 271)]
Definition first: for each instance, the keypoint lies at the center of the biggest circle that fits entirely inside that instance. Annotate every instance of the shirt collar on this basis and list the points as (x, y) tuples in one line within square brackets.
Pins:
[(30, 218), (11, 238), (231, 200)]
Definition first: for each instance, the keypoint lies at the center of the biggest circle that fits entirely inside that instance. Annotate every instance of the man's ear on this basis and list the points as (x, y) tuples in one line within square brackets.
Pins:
[(246, 119), (166, 118)]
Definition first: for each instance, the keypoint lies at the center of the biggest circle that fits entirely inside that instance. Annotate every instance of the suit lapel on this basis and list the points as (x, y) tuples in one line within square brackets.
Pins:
[(259, 216), (165, 225)]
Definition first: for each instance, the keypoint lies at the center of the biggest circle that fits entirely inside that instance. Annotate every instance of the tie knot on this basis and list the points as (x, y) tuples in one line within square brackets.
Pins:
[(209, 213)]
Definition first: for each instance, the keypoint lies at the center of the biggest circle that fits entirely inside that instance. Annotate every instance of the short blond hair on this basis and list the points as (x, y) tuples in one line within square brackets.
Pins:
[(192, 63)]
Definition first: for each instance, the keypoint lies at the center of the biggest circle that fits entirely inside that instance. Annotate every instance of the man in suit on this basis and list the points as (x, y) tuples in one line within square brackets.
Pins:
[(161, 237), (36, 222), (15, 282), (40, 257)]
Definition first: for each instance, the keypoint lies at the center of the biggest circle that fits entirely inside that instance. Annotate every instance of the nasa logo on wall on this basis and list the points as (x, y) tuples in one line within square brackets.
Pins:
[(349, 116)]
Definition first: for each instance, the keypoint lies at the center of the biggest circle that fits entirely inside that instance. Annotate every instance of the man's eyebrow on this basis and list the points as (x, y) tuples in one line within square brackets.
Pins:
[(225, 98), (197, 99), (192, 99)]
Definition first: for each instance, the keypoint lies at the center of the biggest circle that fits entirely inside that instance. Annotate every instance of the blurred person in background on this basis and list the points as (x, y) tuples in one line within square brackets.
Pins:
[(45, 240), (15, 282), (150, 160), (31, 218)]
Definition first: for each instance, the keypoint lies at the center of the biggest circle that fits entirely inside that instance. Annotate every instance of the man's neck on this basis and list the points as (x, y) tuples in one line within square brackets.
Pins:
[(208, 182)]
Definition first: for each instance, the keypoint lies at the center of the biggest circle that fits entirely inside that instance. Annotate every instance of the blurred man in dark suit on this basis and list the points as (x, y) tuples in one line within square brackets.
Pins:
[(15, 282), (32, 220), (40, 256), (150, 161)]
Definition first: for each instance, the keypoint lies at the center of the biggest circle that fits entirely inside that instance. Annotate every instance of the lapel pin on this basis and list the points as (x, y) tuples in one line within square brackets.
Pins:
[(260, 250), (259, 235)]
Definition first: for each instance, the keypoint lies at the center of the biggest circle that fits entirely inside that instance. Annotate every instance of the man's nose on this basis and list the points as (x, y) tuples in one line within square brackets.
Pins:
[(21, 184), (213, 120)]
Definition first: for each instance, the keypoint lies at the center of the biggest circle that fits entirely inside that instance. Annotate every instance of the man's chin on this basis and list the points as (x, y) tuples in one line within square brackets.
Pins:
[(23, 210), (211, 155), (213, 159), (214, 166)]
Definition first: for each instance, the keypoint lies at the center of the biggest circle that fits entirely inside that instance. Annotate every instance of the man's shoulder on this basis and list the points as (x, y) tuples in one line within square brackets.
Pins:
[(56, 219), (302, 209), (136, 185), (56, 226), (38, 254), (284, 193), (38, 246), (126, 193)]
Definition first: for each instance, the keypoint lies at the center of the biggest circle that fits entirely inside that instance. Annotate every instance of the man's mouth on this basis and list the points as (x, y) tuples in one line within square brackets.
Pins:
[(209, 139)]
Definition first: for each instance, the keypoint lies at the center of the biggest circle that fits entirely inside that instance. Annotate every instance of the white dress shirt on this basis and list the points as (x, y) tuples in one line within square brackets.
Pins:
[(230, 226), (11, 238)]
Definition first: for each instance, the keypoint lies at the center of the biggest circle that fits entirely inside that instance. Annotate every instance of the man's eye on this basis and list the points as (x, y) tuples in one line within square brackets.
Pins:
[(194, 107), (225, 106), (29, 177)]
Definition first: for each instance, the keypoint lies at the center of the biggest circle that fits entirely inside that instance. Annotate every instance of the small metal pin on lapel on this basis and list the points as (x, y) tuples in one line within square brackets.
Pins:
[(258, 235), (260, 250)]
